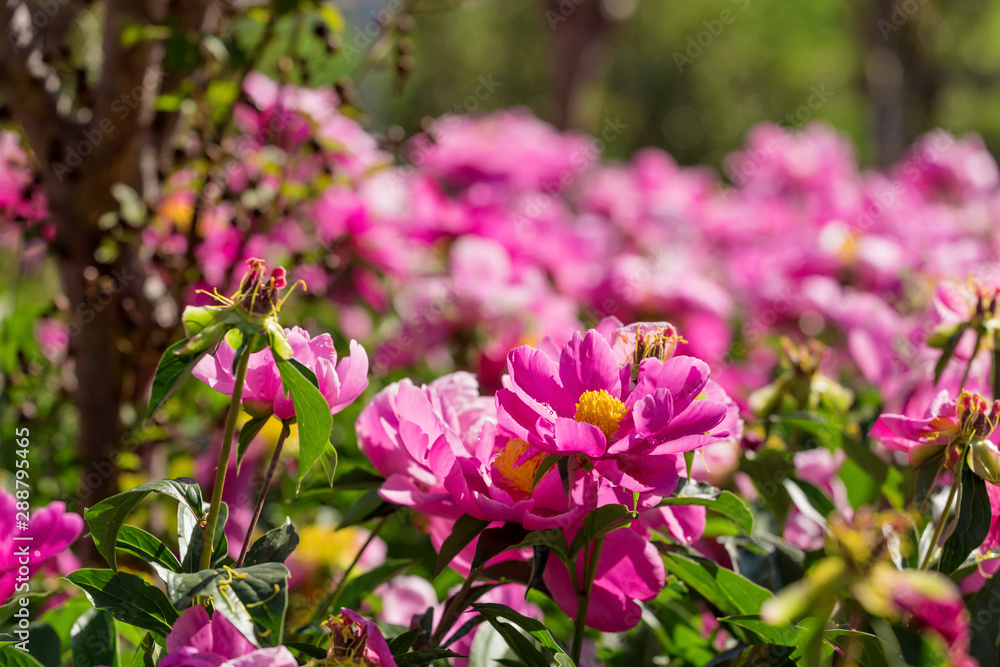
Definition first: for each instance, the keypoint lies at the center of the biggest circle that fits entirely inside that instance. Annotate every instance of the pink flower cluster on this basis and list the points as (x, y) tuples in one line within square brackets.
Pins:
[(51, 529), (446, 451)]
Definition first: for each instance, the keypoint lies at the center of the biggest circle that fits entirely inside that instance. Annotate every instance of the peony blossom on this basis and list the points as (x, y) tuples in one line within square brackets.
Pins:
[(51, 529), (584, 403), (340, 382), (197, 641), (947, 420)]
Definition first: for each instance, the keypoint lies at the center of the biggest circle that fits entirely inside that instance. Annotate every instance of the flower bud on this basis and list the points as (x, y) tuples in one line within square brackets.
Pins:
[(984, 458), (256, 408)]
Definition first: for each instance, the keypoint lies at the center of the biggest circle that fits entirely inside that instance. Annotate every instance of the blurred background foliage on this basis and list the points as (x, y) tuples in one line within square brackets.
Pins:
[(693, 77)]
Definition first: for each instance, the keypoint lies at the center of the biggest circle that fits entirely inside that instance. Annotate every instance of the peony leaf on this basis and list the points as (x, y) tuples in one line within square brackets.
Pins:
[(137, 542), (312, 413), (128, 597), (275, 546), (94, 639), (466, 529), (106, 517), (972, 523)]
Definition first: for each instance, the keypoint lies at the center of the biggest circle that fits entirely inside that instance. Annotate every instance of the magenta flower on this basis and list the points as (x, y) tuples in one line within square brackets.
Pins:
[(412, 434), (355, 641), (196, 641), (496, 483), (585, 403), (51, 530), (339, 382), (927, 600), (969, 416)]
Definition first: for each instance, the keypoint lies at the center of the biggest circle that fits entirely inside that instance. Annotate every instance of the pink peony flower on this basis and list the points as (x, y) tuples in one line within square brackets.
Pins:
[(51, 530), (197, 641), (412, 434), (339, 382), (970, 415), (585, 403)]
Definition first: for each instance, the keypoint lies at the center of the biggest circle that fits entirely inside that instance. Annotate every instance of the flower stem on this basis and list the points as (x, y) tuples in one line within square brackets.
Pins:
[(220, 472), (939, 528), (263, 492), (972, 358), (580, 623), (455, 607), (334, 595)]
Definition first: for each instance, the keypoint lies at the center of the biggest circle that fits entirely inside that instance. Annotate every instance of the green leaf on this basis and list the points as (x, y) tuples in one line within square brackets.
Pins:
[(973, 524), (191, 539), (329, 462), (401, 643), (948, 351), (173, 368), (253, 598), (62, 617), (725, 503), (308, 650), (427, 656), (139, 543), (599, 523), (466, 529), (94, 640), (106, 517), (369, 506), (532, 626), (275, 546), (148, 654), (248, 432), (307, 372), (519, 644), (733, 594), (359, 478), (312, 413), (11, 656), (494, 541), (783, 635), (546, 464), (359, 587), (128, 597)]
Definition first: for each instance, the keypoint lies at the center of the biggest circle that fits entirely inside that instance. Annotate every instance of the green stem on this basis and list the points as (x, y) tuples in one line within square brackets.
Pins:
[(263, 492), (996, 365), (580, 623), (334, 595), (939, 528), (220, 472), (455, 607), (975, 351)]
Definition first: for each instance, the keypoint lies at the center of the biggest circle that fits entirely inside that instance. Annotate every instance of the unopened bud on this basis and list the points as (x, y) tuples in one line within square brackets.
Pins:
[(984, 459)]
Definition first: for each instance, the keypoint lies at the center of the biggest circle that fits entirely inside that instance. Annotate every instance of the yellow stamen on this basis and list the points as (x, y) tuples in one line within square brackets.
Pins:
[(519, 477), (602, 410)]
